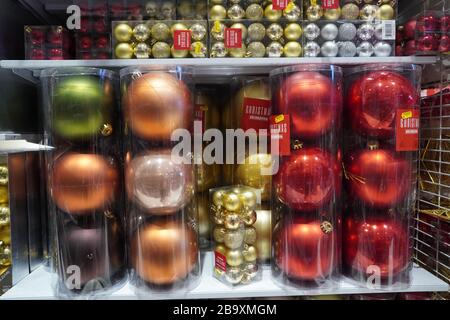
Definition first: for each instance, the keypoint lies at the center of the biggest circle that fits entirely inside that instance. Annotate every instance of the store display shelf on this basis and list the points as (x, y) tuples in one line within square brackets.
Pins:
[(38, 286)]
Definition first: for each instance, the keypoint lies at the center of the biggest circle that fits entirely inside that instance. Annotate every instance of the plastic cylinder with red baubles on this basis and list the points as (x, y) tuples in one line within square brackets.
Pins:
[(84, 180), (162, 224), (380, 168), (307, 103)]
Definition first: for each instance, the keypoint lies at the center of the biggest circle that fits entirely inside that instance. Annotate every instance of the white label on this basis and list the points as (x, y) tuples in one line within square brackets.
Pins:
[(388, 30)]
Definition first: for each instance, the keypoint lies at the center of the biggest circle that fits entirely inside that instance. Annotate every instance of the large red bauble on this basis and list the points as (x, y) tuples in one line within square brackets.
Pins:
[(427, 43), (378, 177), (444, 45), (410, 29), (429, 23), (445, 23), (303, 251), (307, 179), (373, 100), (376, 242), (312, 100)]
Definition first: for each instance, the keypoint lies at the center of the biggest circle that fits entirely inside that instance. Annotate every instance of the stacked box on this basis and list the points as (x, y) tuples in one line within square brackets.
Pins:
[(47, 43)]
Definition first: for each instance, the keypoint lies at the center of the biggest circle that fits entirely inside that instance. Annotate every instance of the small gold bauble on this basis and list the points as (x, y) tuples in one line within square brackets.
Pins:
[(234, 239), (250, 254), (218, 198), (314, 12), (141, 32), (238, 52), (234, 275), (246, 278), (332, 14), (254, 172), (368, 12), (248, 199), (256, 49), (251, 269), (231, 202), (217, 12), (123, 32), (161, 50), (271, 14), (234, 258), (236, 12), (293, 31), (198, 31), (254, 12), (179, 53), (218, 31), (219, 218), (385, 12), (219, 234), (221, 249), (263, 226), (242, 27), (249, 218), (256, 32), (198, 50), (124, 51), (292, 13), (250, 235), (293, 49), (274, 31), (177, 26), (160, 31), (232, 221), (350, 11)]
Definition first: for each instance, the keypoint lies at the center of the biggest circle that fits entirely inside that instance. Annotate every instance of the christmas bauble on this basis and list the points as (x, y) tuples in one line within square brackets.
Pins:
[(163, 253), (81, 183), (410, 29), (444, 44), (312, 49), (263, 226), (347, 49), (329, 49), (249, 173), (161, 50), (427, 43), (445, 23), (307, 179), (378, 177), (242, 27), (293, 31), (312, 101), (312, 31), (429, 23), (303, 251), (374, 98), (156, 98), (81, 106), (365, 49), (271, 14), (274, 50), (159, 184), (292, 49), (410, 47), (4, 195), (382, 49), (347, 31), (376, 242), (123, 32), (217, 12), (329, 31), (124, 51)]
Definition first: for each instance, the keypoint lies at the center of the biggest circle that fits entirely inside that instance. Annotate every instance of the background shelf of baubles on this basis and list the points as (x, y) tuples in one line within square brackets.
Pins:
[(38, 285)]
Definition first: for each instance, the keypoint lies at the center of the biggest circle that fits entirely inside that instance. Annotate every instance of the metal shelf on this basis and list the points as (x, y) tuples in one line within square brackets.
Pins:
[(38, 285)]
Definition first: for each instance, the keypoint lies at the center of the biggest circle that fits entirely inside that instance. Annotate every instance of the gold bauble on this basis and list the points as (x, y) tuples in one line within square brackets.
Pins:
[(123, 32), (246, 278), (368, 12), (250, 253), (160, 31), (332, 14), (231, 202), (254, 12), (5, 235), (248, 199), (218, 198), (219, 218), (221, 249), (177, 26), (385, 12), (238, 52), (203, 215), (4, 197), (234, 239), (314, 12), (263, 226), (250, 235), (217, 12), (234, 275), (271, 14), (179, 53), (124, 51), (242, 27), (234, 258), (5, 217), (350, 11), (256, 50), (161, 50), (219, 234), (249, 173), (256, 32), (293, 49), (232, 221), (293, 31), (249, 218)]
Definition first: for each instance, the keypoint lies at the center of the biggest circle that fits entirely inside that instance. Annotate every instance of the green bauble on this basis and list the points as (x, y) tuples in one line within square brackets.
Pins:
[(81, 107)]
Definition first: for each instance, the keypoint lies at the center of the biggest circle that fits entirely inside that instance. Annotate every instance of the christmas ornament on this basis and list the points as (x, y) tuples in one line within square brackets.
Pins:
[(160, 31), (198, 50), (256, 32), (329, 31), (171, 186), (410, 29), (248, 199), (311, 100), (274, 50), (382, 49), (312, 49), (373, 100), (427, 43), (350, 11), (178, 53), (163, 253), (161, 50), (292, 49), (444, 44), (256, 50), (232, 221), (263, 226), (445, 23), (366, 31), (329, 49), (368, 12), (81, 183), (249, 218), (376, 242), (123, 32), (428, 23), (314, 12), (177, 26), (274, 31), (142, 51), (250, 173), (378, 177), (293, 31), (312, 31), (234, 239), (124, 51), (365, 49), (238, 52), (234, 258), (293, 13), (251, 269), (218, 31), (218, 50), (250, 235), (379, 31), (254, 12), (4, 195), (217, 12), (271, 14), (307, 179), (234, 275), (303, 251), (242, 27), (161, 94), (385, 12), (141, 32), (219, 234), (332, 14), (236, 12), (249, 253), (347, 31), (198, 32), (347, 49)]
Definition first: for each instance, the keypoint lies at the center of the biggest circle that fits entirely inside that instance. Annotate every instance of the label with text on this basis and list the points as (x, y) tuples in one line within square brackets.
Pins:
[(220, 261), (182, 39), (330, 4), (279, 4), (280, 129), (407, 130), (256, 114), (233, 38)]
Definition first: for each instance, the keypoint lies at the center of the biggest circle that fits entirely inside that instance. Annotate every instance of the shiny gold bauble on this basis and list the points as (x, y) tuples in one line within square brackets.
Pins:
[(221, 249), (217, 198), (242, 27), (219, 218), (350, 11), (177, 26), (232, 221), (123, 32), (5, 235), (249, 173), (124, 51), (161, 50), (293, 49), (219, 234), (204, 225), (238, 52), (231, 202), (251, 269), (163, 253), (4, 196), (385, 12), (271, 14), (249, 218), (160, 31), (263, 226), (179, 53), (234, 258), (250, 253), (293, 31), (81, 183), (254, 12), (332, 14), (5, 217), (198, 50), (217, 12), (234, 239), (314, 12), (248, 199), (250, 235)]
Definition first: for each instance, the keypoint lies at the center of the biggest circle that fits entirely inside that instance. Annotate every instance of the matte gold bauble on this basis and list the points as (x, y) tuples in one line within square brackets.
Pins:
[(179, 53), (161, 50), (217, 12), (231, 202), (123, 32), (242, 27), (81, 183), (234, 258), (124, 51), (293, 31), (250, 254), (255, 89), (249, 218), (158, 98), (249, 173), (385, 12), (232, 221), (4, 197), (177, 26), (250, 235), (164, 252), (160, 31), (332, 14), (271, 14), (238, 52), (234, 239), (248, 199), (263, 226), (293, 49), (219, 234), (218, 198)]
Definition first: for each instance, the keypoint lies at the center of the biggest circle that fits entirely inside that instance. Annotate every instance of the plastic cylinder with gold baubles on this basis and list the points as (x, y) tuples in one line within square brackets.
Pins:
[(307, 103), (84, 179), (160, 180), (380, 169)]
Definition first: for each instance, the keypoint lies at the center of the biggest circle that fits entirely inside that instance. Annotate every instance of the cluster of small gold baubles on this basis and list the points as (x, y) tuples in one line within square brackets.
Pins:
[(5, 255), (234, 216), (268, 39), (155, 39)]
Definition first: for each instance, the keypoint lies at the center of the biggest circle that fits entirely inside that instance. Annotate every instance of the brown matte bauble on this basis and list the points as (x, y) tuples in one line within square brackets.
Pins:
[(163, 253), (81, 183), (156, 104), (256, 89)]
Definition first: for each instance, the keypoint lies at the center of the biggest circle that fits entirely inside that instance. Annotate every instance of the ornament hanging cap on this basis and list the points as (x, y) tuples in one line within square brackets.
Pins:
[(373, 145)]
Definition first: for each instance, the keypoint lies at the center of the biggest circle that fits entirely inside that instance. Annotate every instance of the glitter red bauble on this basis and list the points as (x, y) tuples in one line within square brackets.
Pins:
[(410, 48), (444, 45), (303, 251), (373, 100), (378, 177), (376, 242), (445, 23), (410, 29), (429, 23), (427, 43), (313, 102), (308, 179), (399, 51)]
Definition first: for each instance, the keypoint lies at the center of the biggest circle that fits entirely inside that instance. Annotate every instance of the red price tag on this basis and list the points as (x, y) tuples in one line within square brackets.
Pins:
[(233, 38), (330, 4), (256, 114), (407, 130), (279, 4), (280, 132), (220, 261), (182, 39)]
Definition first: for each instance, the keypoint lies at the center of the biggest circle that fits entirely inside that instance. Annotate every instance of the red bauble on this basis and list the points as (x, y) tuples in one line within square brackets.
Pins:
[(312, 100), (37, 54), (373, 100), (307, 179), (410, 48), (85, 42), (427, 43), (429, 23), (444, 45), (100, 25), (378, 177), (102, 42), (410, 29), (304, 252), (376, 242), (445, 23), (399, 51), (55, 54)]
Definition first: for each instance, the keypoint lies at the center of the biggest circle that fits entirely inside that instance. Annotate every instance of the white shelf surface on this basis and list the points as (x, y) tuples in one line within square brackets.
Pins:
[(38, 286)]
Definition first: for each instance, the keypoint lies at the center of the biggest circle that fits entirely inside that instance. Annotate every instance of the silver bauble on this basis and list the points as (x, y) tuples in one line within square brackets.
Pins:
[(311, 49), (329, 32), (365, 49), (311, 31), (329, 49), (347, 31)]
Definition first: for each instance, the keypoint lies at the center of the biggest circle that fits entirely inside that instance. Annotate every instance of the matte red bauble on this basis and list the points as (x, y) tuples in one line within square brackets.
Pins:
[(373, 100), (303, 251), (378, 177), (312, 100), (410, 29), (376, 242), (156, 104), (307, 179)]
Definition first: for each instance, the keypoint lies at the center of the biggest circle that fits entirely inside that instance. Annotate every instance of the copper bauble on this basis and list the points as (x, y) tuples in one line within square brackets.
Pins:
[(163, 253), (249, 173), (159, 184), (263, 226), (156, 104), (256, 89), (81, 183), (373, 100)]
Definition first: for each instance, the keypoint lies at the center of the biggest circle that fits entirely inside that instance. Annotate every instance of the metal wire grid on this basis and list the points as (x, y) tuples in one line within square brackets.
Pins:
[(432, 218)]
